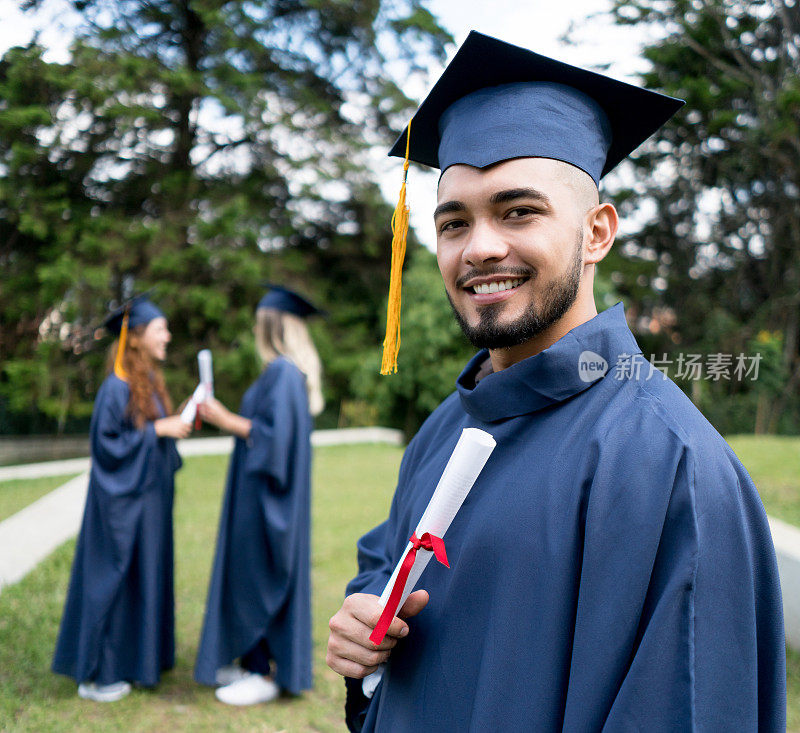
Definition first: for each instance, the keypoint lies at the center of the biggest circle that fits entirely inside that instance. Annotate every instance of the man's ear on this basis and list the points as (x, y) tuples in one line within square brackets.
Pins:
[(602, 223)]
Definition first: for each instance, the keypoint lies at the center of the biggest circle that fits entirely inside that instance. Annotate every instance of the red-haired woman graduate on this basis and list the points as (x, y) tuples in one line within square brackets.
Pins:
[(259, 605), (118, 623)]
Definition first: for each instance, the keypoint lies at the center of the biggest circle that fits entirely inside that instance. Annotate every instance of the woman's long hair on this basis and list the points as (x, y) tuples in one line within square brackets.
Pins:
[(279, 333), (144, 378)]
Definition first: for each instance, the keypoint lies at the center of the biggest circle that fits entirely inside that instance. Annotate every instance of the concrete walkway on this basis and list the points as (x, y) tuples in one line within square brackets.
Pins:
[(786, 538), (30, 535), (48, 468), (205, 446)]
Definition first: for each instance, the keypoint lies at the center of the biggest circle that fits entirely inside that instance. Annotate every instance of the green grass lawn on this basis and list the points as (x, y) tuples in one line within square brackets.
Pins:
[(773, 461), (793, 690), (352, 489), (18, 493)]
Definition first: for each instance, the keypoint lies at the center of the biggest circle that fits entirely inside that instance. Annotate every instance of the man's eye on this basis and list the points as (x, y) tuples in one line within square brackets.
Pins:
[(519, 212), (451, 225)]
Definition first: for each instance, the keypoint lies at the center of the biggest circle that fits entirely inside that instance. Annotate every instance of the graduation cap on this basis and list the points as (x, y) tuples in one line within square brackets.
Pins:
[(495, 102), (136, 311), (139, 309), (283, 299)]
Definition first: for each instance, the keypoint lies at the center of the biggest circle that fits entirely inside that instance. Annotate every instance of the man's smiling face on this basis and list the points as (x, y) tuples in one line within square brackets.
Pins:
[(510, 246)]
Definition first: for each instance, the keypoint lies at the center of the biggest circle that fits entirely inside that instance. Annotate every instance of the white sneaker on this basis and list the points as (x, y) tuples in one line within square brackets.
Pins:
[(250, 690), (103, 693), (229, 674)]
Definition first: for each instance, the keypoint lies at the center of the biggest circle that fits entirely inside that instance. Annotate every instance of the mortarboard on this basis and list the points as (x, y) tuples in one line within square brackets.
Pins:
[(136, 311), (140, 310), (283, 299), (496, 101)]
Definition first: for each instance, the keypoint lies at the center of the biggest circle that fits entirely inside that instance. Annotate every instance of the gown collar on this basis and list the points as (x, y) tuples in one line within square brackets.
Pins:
[(553, 375)]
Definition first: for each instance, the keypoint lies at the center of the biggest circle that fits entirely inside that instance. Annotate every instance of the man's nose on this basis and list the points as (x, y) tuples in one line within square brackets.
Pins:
[(485, 244)]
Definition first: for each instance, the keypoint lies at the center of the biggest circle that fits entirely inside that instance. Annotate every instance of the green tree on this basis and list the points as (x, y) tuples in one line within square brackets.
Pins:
[(201, 147), (717, 191), (433, 352)]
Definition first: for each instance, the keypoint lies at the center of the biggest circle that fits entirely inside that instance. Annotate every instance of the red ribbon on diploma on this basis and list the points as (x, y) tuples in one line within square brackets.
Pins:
[(426, 542)]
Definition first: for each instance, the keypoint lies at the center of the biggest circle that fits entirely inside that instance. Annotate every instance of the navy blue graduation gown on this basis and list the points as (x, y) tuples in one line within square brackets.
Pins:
[(118, 621), (612, 568), (260, 586)]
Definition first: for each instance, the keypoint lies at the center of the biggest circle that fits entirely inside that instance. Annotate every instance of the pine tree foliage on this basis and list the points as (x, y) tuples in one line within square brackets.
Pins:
[(199, 147), (718, 189)]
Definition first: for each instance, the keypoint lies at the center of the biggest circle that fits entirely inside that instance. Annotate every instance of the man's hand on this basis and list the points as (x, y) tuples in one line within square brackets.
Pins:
[(350, 652)]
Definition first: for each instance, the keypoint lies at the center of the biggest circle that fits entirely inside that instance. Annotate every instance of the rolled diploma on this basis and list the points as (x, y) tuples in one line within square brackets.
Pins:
[(190, 411), (467, 461), (204, 364)]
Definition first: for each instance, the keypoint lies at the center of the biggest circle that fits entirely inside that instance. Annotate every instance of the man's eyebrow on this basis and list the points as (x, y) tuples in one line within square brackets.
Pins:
[(448, 207), (512, 194)]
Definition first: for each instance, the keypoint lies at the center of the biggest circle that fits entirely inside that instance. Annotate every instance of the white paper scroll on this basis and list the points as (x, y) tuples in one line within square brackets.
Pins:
[(204, 390), (206, 371), (190, 411), (467, 461)]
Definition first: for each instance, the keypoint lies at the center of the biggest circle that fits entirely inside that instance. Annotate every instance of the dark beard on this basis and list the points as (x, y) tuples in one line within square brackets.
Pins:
[(557, 299)]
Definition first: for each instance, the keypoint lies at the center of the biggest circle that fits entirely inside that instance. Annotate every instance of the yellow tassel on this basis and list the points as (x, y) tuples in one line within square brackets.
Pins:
[(391, 344), (119, 370)]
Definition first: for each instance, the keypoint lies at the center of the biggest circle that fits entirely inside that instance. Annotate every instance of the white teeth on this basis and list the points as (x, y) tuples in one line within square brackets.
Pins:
[(496, 287)]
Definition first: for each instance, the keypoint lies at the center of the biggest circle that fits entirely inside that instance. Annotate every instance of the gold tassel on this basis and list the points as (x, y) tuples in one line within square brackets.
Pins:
[(119, 370), (391, 344)]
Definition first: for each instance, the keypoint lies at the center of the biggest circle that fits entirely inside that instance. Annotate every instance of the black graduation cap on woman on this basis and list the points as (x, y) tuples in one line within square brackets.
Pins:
[(495, 102), (136, 311), (140, 311), (283, 299)]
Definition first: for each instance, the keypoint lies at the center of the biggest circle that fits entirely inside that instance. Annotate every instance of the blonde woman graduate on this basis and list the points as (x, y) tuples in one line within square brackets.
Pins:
[(118, 622), (256, 638)]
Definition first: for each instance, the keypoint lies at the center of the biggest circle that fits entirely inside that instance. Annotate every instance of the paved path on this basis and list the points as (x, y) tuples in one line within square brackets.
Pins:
[(205, 446), (32, 534), (48, 468), (786, 538)]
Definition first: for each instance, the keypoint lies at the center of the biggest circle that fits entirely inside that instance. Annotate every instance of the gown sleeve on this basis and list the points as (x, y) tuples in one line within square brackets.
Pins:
[(374, 571), (739, 645), (276, 429), (375, 566), (125, 466), (119, 449), (679, 612), (377, 552)]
